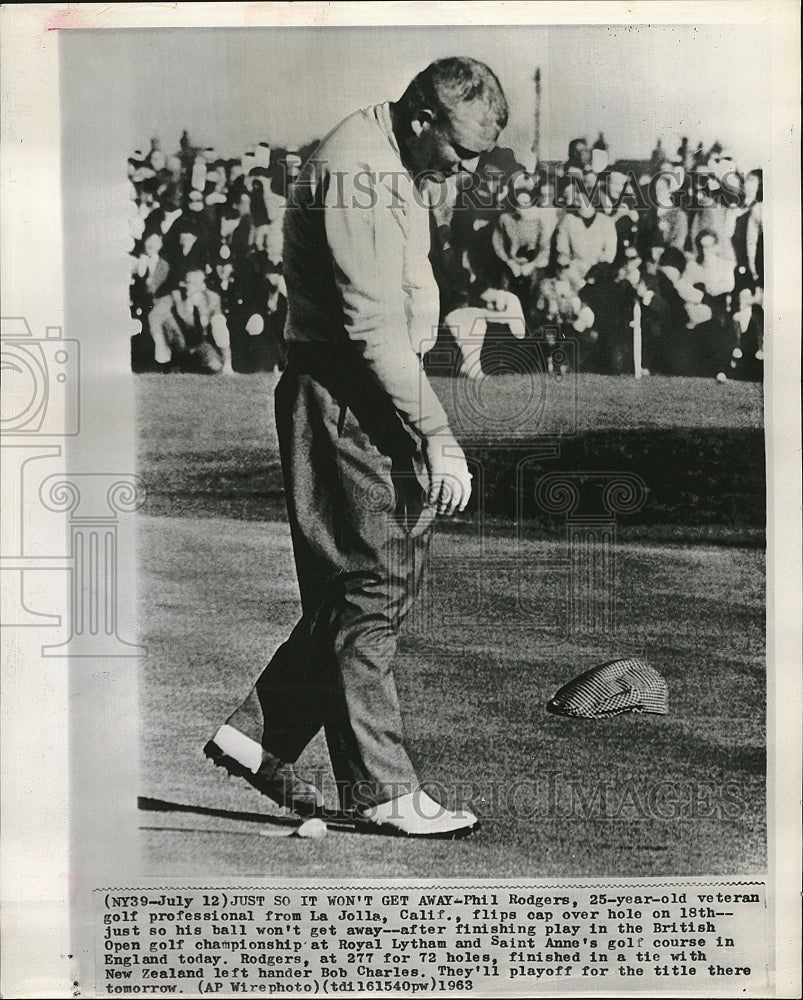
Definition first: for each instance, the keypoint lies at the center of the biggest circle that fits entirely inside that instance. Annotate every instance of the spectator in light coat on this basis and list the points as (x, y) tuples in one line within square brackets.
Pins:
[(584, 238)]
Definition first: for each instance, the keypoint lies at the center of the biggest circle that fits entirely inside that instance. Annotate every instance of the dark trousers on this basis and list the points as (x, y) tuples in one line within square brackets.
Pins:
[(361, 531)]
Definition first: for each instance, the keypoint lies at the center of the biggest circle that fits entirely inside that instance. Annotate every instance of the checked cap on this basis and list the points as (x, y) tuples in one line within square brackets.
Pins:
[(612, 688)]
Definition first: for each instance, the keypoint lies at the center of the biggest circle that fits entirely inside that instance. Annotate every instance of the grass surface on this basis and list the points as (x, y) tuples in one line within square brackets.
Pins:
[(208, 447), (631, 795)]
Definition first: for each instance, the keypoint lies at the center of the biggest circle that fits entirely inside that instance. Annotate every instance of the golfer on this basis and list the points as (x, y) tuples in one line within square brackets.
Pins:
[(367, 454)]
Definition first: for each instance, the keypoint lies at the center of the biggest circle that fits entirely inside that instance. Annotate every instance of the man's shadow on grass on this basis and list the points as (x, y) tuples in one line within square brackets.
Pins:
[(274, 825), (145, 804)]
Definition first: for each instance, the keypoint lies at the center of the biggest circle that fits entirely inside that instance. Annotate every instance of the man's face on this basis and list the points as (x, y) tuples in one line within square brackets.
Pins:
[(187, 241), (708, 246), (446, 147), (584, 206), (547, 194), (195, 283), (153, 245), (616, 185)]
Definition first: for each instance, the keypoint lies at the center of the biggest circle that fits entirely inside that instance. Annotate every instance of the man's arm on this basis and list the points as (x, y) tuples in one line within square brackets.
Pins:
[(368, 246)]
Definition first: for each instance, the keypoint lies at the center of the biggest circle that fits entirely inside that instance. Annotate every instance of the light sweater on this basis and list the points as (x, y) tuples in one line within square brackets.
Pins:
[(585, 245), (356, 245)]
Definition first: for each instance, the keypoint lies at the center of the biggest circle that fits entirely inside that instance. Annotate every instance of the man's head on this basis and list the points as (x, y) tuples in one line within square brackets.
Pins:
[(451, 113), (224, 266), (706, 243), (187, 234), (579, 154), (173, 165), (577, 198), (546, 192), (193, 283), (616, 185), (746, 297), (153, 244), (195, 201)]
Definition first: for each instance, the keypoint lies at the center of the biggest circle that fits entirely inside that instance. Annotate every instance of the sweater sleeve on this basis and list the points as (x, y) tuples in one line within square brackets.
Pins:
[(368, 238)]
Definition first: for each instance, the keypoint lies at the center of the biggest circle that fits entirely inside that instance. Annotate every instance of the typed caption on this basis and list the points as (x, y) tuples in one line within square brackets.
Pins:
[(416, 941)]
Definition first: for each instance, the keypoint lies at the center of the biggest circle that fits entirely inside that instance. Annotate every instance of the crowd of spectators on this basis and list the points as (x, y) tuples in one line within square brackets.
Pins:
[(641, 267), (207, 286)]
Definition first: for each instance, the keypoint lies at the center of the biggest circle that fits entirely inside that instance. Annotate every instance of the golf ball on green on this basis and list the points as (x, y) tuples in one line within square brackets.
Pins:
[(314, 829)]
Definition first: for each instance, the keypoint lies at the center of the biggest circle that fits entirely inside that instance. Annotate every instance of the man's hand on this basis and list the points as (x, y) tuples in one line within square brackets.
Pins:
[(499, 301), (449, 478), (504, 307)]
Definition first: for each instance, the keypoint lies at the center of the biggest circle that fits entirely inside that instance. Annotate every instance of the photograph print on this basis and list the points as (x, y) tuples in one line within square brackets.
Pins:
[(445, 346)]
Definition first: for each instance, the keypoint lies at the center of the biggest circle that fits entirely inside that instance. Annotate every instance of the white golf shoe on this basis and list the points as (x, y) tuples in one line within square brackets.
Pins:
[(417, 815)]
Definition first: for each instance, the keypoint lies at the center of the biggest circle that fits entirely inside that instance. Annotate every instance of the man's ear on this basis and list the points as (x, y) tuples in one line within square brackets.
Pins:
[(421, 121)]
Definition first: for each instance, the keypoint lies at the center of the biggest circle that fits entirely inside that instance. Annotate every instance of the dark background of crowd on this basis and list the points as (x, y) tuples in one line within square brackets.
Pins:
[(587, 252)]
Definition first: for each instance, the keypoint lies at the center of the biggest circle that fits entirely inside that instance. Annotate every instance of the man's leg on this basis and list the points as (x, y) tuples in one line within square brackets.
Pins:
[(357, 585), (220, 334), (261, 740), (165, 332), (285, 707), (360, 535)]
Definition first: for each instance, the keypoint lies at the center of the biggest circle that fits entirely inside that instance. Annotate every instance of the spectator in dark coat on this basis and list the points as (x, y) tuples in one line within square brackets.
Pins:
[(747, 327), (748, 235)]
